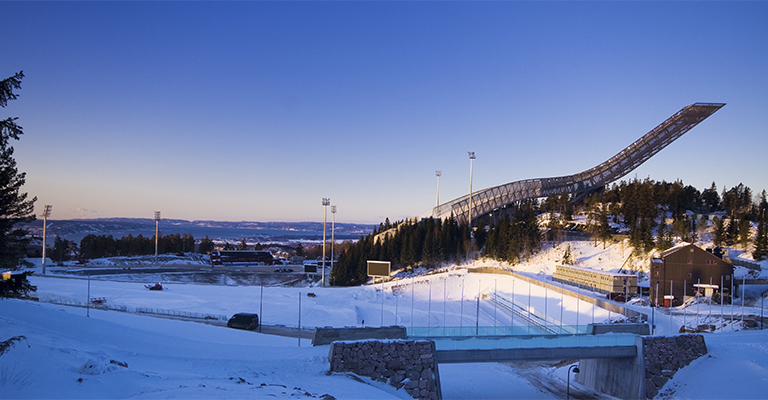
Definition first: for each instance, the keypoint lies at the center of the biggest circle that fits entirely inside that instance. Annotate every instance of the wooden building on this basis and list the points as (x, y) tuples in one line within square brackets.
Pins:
[(600, 281), (678, 269)]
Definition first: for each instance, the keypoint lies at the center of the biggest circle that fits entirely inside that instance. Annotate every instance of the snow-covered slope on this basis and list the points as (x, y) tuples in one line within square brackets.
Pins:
[(68, 355)]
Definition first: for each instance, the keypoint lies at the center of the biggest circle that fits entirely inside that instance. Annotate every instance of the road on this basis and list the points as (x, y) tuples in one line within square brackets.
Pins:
[(541, 375)]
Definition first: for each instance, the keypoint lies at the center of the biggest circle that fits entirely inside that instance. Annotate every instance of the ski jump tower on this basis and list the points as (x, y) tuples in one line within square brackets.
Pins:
[(586, 182)]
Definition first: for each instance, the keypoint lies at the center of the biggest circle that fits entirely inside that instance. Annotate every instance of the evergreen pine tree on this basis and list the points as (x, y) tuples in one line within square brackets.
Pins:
[(761, 240), (646, 235), (438, 245), (505, 245), (604, 228), (702, 223), (427, 255), (188, 242), (206, 245), (58, 249), (15, 207), (567, 256), (663, 237), (680, 227), (710, 199), (745, 229), (718, 232), (731, 232)]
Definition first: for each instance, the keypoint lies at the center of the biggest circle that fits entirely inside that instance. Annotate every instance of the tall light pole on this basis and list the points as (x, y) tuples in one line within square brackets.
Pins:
[(333, 231), (326, 203), (438, 174), (46, 214), (471, 159), (157, 231)]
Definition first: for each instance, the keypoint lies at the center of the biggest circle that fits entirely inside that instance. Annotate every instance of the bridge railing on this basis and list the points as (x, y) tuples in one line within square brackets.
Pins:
[(462, 332), (534, 342)]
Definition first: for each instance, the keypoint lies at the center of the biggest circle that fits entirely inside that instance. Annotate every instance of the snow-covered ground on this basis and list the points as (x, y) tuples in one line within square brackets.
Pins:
[(66, 354)]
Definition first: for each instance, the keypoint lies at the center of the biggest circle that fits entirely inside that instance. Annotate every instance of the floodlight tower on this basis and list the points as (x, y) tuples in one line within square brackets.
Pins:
[(326, 203), (438, 174), (157, 231), (471, 159), (45, 215), (333, 232)]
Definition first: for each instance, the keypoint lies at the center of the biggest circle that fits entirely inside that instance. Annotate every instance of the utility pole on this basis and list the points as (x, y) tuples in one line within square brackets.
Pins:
[(438, 174)]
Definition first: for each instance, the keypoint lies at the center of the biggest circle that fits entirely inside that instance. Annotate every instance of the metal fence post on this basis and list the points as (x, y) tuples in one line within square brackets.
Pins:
[(299, 330)]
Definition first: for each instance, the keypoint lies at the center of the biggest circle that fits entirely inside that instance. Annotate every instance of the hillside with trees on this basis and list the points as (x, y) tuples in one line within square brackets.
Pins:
[(652, 215)]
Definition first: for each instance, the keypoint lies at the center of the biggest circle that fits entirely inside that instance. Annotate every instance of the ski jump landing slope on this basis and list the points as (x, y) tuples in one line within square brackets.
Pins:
[(583, 183)]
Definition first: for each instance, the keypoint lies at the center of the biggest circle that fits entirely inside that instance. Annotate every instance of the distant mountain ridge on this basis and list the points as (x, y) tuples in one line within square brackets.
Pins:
[(76, 229)]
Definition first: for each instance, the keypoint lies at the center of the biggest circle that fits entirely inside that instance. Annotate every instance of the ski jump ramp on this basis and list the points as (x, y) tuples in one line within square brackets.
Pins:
[(487, 200)]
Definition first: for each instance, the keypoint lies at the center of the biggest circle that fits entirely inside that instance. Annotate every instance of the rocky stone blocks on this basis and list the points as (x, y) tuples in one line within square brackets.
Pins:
[(664, 356), (405, 364)]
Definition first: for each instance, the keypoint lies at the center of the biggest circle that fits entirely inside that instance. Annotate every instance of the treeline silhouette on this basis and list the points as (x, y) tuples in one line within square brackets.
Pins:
[(434, 242), (93, 246), (653, 213)]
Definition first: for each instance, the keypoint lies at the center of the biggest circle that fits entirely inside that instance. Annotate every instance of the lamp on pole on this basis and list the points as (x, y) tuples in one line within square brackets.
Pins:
[(46, 214), (326, 203), (471, 159), (333, 231), (568, 386), (438, 174), (157, 231), (471, 232)]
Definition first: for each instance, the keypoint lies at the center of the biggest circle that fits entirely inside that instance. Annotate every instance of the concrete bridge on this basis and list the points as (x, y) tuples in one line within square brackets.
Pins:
[(624, 365), (535, 354), (599, 341)]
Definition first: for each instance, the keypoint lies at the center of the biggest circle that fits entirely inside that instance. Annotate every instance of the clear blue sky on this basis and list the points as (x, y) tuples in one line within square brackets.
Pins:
[(258, 110)]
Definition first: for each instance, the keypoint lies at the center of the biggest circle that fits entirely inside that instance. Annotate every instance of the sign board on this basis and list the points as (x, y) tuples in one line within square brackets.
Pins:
[(378, 268)]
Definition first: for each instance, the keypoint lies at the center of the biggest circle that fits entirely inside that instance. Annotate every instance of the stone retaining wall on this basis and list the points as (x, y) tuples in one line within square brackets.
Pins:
[(664, 356), (404, 364)]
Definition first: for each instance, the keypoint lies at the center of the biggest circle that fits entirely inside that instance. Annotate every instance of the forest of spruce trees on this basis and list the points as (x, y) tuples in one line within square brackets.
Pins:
[(653, 214)]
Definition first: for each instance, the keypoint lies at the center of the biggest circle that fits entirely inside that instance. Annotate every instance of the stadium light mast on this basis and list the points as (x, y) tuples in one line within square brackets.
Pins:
[(45, 215), (438, 174), (326, 203), (333, 232), (471, 159), (157, 231)]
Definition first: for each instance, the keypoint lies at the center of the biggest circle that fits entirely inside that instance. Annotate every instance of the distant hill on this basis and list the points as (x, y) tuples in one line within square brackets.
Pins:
[(76, 229)]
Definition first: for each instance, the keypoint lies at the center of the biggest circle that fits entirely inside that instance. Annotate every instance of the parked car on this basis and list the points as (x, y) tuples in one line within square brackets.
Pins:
[(244, 321)]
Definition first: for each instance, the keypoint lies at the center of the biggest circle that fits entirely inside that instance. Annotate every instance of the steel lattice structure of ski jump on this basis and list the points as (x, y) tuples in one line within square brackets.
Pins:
[(488, 200)]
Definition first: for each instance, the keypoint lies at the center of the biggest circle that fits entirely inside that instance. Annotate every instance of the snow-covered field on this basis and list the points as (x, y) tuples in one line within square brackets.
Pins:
[(110, 354)]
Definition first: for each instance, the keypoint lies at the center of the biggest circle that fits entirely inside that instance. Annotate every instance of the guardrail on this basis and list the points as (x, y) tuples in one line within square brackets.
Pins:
[(744, 263), (139, 310), (181, 314), (496, 331)]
